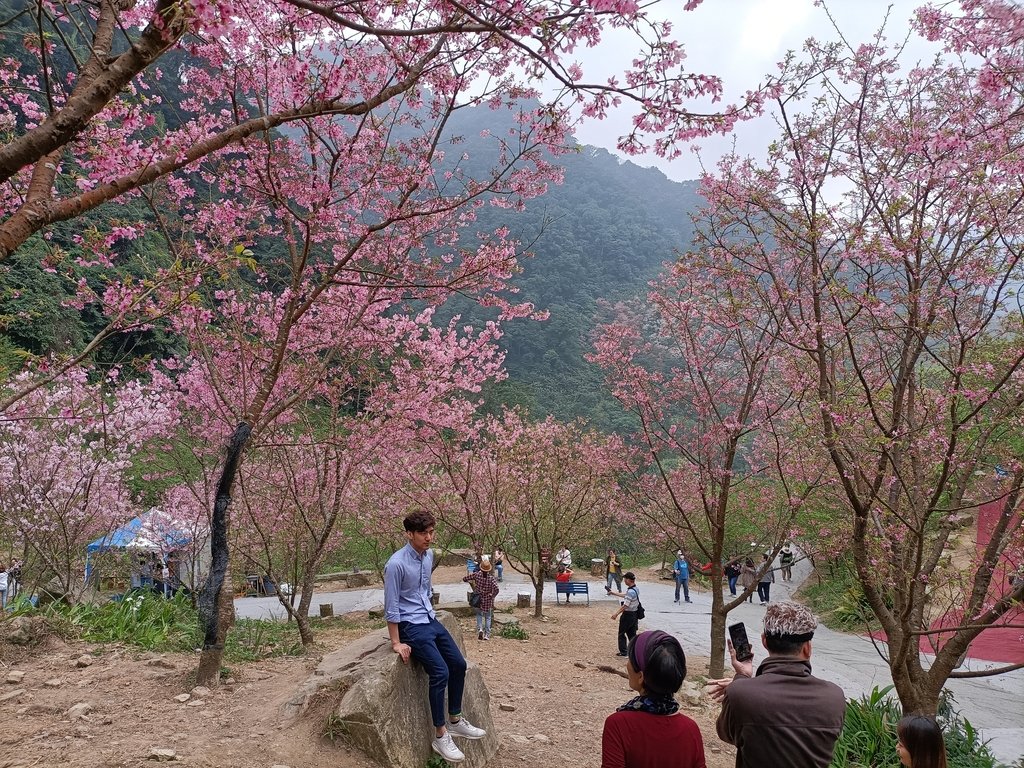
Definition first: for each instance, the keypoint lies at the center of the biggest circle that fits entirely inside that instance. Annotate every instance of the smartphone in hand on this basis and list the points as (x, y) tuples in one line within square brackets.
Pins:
[(740, 643)]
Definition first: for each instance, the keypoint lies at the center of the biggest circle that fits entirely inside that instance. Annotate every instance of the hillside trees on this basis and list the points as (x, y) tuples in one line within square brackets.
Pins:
[(883, 238)]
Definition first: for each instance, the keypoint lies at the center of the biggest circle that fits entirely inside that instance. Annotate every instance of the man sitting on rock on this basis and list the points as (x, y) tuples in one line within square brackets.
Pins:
[(415, 631)]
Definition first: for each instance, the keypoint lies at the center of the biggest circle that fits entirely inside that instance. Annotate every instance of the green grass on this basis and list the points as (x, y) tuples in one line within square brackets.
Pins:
[(141, 619), (148, 622)]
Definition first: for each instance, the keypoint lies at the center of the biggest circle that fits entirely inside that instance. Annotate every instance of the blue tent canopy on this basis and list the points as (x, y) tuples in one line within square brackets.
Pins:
[(151, 530)]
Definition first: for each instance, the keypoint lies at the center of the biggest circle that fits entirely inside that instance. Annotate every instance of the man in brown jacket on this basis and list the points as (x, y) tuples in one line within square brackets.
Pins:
[(782, 717)]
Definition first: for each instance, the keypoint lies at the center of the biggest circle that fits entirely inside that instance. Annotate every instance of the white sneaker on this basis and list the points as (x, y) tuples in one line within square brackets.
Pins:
[(466, 729), (445, 747)]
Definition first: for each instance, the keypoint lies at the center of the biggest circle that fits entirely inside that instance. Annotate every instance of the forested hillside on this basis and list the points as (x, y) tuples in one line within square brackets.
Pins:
[(598, 236)]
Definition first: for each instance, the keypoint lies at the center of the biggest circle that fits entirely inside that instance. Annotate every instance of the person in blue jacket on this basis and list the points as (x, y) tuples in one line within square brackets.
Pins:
[(681, 570)]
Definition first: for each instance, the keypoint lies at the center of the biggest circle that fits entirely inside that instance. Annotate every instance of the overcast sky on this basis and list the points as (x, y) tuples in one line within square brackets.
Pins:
[(741, 41)]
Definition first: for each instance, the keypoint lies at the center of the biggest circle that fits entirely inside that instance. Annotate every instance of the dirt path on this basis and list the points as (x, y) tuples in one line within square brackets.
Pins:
[(555, 676)]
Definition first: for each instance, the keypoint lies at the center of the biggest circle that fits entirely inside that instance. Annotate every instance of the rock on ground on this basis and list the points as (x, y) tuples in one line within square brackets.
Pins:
[(384, 710)]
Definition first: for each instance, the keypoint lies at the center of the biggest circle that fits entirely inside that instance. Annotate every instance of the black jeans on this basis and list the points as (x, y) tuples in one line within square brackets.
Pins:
[(763, 588), (627, 629)]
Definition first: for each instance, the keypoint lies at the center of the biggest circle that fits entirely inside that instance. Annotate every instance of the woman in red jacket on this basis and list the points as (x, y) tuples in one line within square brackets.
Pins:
[(649, 731)]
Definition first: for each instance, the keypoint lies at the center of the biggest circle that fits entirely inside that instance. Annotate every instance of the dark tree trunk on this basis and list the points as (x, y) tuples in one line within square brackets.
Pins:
[(216, 603)]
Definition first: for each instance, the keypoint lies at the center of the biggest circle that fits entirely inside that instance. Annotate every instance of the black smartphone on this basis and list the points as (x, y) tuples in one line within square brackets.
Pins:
[(738, 635)]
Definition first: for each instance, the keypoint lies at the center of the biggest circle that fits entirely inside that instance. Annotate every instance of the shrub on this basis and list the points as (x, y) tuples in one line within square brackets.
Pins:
[(868, 737), (335, 728), (514, 632)]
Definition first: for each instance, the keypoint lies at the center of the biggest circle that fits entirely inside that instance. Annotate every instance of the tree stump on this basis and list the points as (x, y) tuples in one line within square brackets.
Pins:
[(523, 600), (326, 609)]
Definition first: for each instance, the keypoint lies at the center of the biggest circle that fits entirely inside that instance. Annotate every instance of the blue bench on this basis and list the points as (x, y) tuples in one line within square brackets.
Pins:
[(572, 588)]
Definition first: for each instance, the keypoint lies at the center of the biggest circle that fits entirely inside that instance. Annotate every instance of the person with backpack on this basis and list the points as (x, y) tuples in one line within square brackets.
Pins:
[(486, 587), (630, 611)]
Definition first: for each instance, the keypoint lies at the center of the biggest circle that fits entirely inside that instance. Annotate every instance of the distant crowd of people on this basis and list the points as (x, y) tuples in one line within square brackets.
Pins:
[(648, 731)]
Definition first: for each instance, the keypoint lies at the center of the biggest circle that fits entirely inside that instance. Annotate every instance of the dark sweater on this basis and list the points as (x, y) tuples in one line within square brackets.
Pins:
[(783, 717)]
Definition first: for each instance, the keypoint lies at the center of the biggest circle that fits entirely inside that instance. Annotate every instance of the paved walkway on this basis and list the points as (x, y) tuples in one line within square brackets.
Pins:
[(994, 705)]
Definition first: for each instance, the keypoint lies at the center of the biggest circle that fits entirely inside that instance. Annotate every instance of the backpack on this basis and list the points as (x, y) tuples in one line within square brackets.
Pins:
[(640, 612)]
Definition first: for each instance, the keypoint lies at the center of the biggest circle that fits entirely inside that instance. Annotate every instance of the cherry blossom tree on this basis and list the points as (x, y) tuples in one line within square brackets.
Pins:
[(712, 401), (525, 486), (86, 129), (66, 454), (883, 238), (301, 495)]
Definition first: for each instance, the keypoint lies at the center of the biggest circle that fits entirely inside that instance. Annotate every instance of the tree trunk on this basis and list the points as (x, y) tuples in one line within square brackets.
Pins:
[(538, 608), (302, 612), (917, 696), (216, 603), (719, 614)]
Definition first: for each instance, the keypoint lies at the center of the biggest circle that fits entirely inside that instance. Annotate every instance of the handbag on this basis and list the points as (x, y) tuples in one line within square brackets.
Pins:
[(474, 599)]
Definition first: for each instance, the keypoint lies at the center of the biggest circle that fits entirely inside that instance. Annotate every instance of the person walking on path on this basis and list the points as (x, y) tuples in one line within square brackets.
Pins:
[(627, 613), (681, 570), (498, 558), (613, 570), (786, 560), (3, 587), (649, 731), (485, 586), (783, 716), (732, 574), (764, 584), (415, 632), (748, 577)]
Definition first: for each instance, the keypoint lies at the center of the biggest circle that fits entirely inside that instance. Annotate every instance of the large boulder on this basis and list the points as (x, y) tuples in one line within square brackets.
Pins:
[(383, 709)]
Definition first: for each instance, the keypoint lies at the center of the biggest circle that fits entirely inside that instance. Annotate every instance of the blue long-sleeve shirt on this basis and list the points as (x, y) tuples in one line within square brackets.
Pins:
[(407, 586), (682, 568)]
